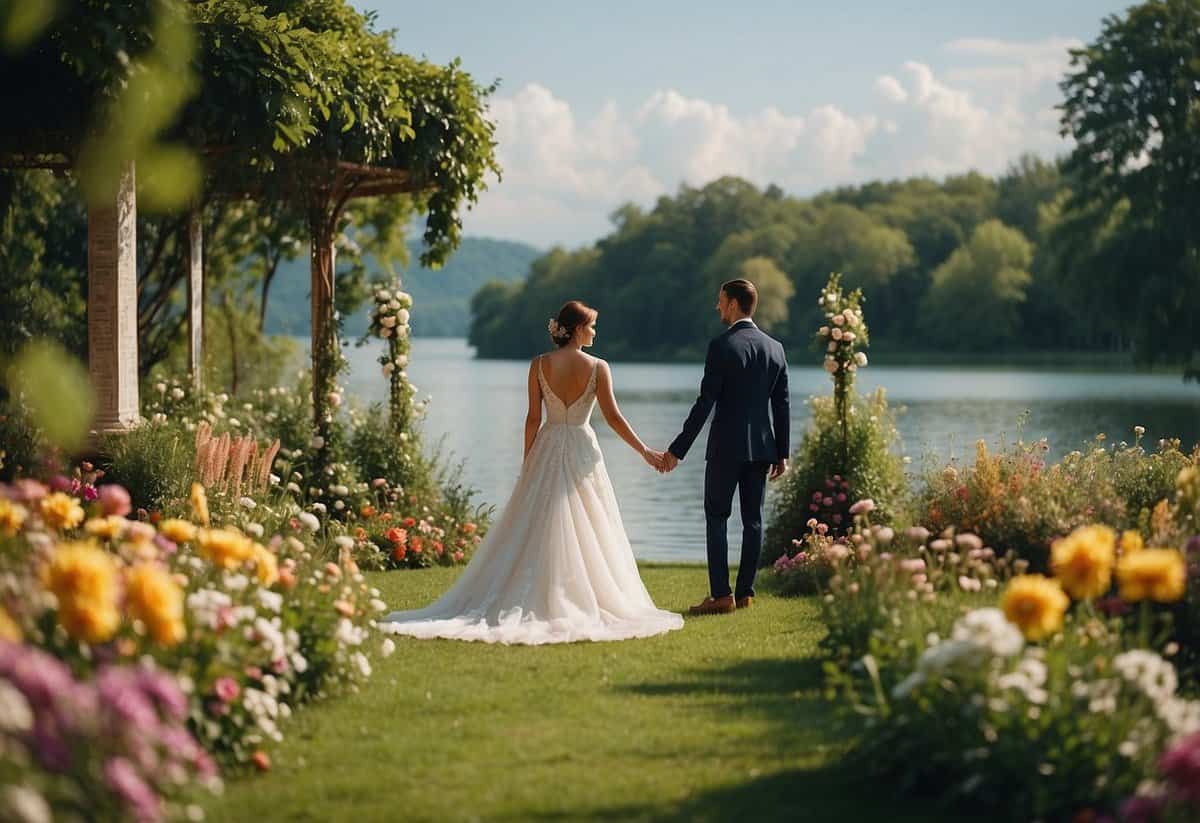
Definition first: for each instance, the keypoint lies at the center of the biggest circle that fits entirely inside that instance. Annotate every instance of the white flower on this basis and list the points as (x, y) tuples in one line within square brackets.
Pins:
[(401, 361), (831, 365), (860, 358), (388, 322), (319, 508), (25, 805), (393, 304), (832, 347), (317, 442), (269, 600), (293, 488), (385, 332), (334, 399), (851, 317), (360, 660), (347, 634), (309, 520), (402, 316), (838, 320), (255, 529), (247, 503), (405, 299), (388, 368), (344, 541), (177, 393), (837, 334), (15, 714), (1139, 430), (383, 295), (402, 331), (161, 388), (823, 331), (990, 630), (388, 647), (378, 605)]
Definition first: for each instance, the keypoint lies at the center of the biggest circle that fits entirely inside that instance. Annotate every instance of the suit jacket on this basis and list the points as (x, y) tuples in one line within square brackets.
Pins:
[(744, 373)]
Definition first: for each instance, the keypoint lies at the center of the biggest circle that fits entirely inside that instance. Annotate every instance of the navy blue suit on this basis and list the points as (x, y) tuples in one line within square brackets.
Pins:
[(745, 373)]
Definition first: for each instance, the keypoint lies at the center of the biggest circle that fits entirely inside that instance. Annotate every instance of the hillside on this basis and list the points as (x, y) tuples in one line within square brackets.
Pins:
[(441, 298)]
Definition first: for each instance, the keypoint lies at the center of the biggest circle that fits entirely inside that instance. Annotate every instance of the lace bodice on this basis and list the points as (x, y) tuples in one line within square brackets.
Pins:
[(579, 412)]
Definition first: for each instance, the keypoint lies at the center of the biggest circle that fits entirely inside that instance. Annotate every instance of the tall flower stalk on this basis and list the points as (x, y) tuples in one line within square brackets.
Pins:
[(842, 338)]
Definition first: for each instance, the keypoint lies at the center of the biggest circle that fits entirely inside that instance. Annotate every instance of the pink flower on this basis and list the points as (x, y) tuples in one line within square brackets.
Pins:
[(912, 564), (822, 528), (227, 689), (863, 506), (828, 501), (917, 534), (115, 500), (969, 541)]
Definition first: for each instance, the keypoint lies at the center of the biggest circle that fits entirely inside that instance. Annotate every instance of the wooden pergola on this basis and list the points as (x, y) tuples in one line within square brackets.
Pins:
[(112, 302)]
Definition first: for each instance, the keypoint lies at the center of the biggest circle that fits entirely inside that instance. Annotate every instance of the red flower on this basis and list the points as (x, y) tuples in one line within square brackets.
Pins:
[(261, 761), (438, 548), (410, 522), (396, 536), (416, 544), (398, 553)]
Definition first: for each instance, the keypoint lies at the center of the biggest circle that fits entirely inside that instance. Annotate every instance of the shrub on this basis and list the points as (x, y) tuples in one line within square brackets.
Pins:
[(874, 472)]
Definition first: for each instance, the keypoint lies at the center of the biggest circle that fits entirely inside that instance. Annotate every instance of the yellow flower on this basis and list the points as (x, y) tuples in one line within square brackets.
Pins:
[(1131, 542), (84, 579), (1083, 561), (61, 511), (226, 548), (91, 622), (9, 630), (177, 531), (105, 527), (153, 597), (1152, 574), (265, 565), (200, 503), (1035, 604), (12, 516), (81, 570)]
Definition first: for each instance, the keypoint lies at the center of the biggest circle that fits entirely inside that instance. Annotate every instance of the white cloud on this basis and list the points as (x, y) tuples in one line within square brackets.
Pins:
[(890, 88), (564, 175)]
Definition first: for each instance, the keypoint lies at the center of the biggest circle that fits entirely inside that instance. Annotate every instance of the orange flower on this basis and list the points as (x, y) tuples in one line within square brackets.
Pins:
[(367, 510), (386, 517), (469, 528), (416, 544), (398, 553), (396, 536), (360, 534)]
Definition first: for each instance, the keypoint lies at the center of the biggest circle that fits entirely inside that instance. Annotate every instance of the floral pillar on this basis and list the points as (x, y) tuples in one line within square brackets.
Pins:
[(841, 339), (390, 321)]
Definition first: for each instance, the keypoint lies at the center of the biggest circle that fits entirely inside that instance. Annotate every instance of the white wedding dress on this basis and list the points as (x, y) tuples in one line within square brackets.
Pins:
[(557, 566)]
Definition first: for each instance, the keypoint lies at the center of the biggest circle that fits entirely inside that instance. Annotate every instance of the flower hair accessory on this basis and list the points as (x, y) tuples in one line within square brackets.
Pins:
[(557, 330)]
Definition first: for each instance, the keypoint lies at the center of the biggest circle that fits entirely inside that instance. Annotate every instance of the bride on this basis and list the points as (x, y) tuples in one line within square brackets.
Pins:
[(557, 566)]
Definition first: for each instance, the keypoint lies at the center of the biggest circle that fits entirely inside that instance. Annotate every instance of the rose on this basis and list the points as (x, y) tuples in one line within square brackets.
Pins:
[(226, 689), (838, 320), (387, 321), (837, 334), (402, 317)]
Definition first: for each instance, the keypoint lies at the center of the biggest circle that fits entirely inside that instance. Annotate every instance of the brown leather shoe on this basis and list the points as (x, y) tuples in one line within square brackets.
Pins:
[(709, 605), (745, 602)]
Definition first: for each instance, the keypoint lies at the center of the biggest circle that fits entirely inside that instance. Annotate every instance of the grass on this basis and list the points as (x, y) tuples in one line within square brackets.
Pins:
[(722, 720)]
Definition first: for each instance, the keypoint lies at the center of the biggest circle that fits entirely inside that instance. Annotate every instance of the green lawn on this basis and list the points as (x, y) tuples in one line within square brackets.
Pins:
[(720, 721)]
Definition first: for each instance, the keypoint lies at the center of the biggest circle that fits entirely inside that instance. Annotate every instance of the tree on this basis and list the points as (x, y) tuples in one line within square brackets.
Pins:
[(1133, 108), (972, 304), (775, 290)]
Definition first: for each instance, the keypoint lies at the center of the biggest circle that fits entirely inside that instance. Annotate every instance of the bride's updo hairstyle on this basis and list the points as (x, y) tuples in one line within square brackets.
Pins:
[(571, 316)]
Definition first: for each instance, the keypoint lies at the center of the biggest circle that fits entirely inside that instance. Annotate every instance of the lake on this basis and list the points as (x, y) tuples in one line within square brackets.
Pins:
[(478, 410)]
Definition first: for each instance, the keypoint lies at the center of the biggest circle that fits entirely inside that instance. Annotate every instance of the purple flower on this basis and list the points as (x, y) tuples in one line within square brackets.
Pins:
[(164, 691), (1181, 766), (140, 800), (122, 696), (115, 500), (1141, 809)]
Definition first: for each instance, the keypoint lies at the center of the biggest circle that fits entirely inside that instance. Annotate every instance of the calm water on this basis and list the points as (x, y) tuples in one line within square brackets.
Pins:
[(478, 413)]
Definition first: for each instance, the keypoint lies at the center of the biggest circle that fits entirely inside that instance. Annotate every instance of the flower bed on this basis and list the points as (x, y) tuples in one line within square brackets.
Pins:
[(139, 656)]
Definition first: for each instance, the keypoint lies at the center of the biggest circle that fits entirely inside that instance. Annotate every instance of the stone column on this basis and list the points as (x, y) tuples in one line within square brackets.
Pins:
[(112, 310), (195, 299)]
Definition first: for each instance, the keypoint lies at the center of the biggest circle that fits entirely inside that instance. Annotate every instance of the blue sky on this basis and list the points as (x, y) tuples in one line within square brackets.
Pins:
[(604, 103)]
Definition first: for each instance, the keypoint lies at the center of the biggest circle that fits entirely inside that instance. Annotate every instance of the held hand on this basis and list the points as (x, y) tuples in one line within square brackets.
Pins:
[(655, 459), (669, 463), (779, 469)]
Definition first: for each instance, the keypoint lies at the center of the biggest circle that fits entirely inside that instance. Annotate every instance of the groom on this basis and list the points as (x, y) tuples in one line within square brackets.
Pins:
[(744, 372)]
